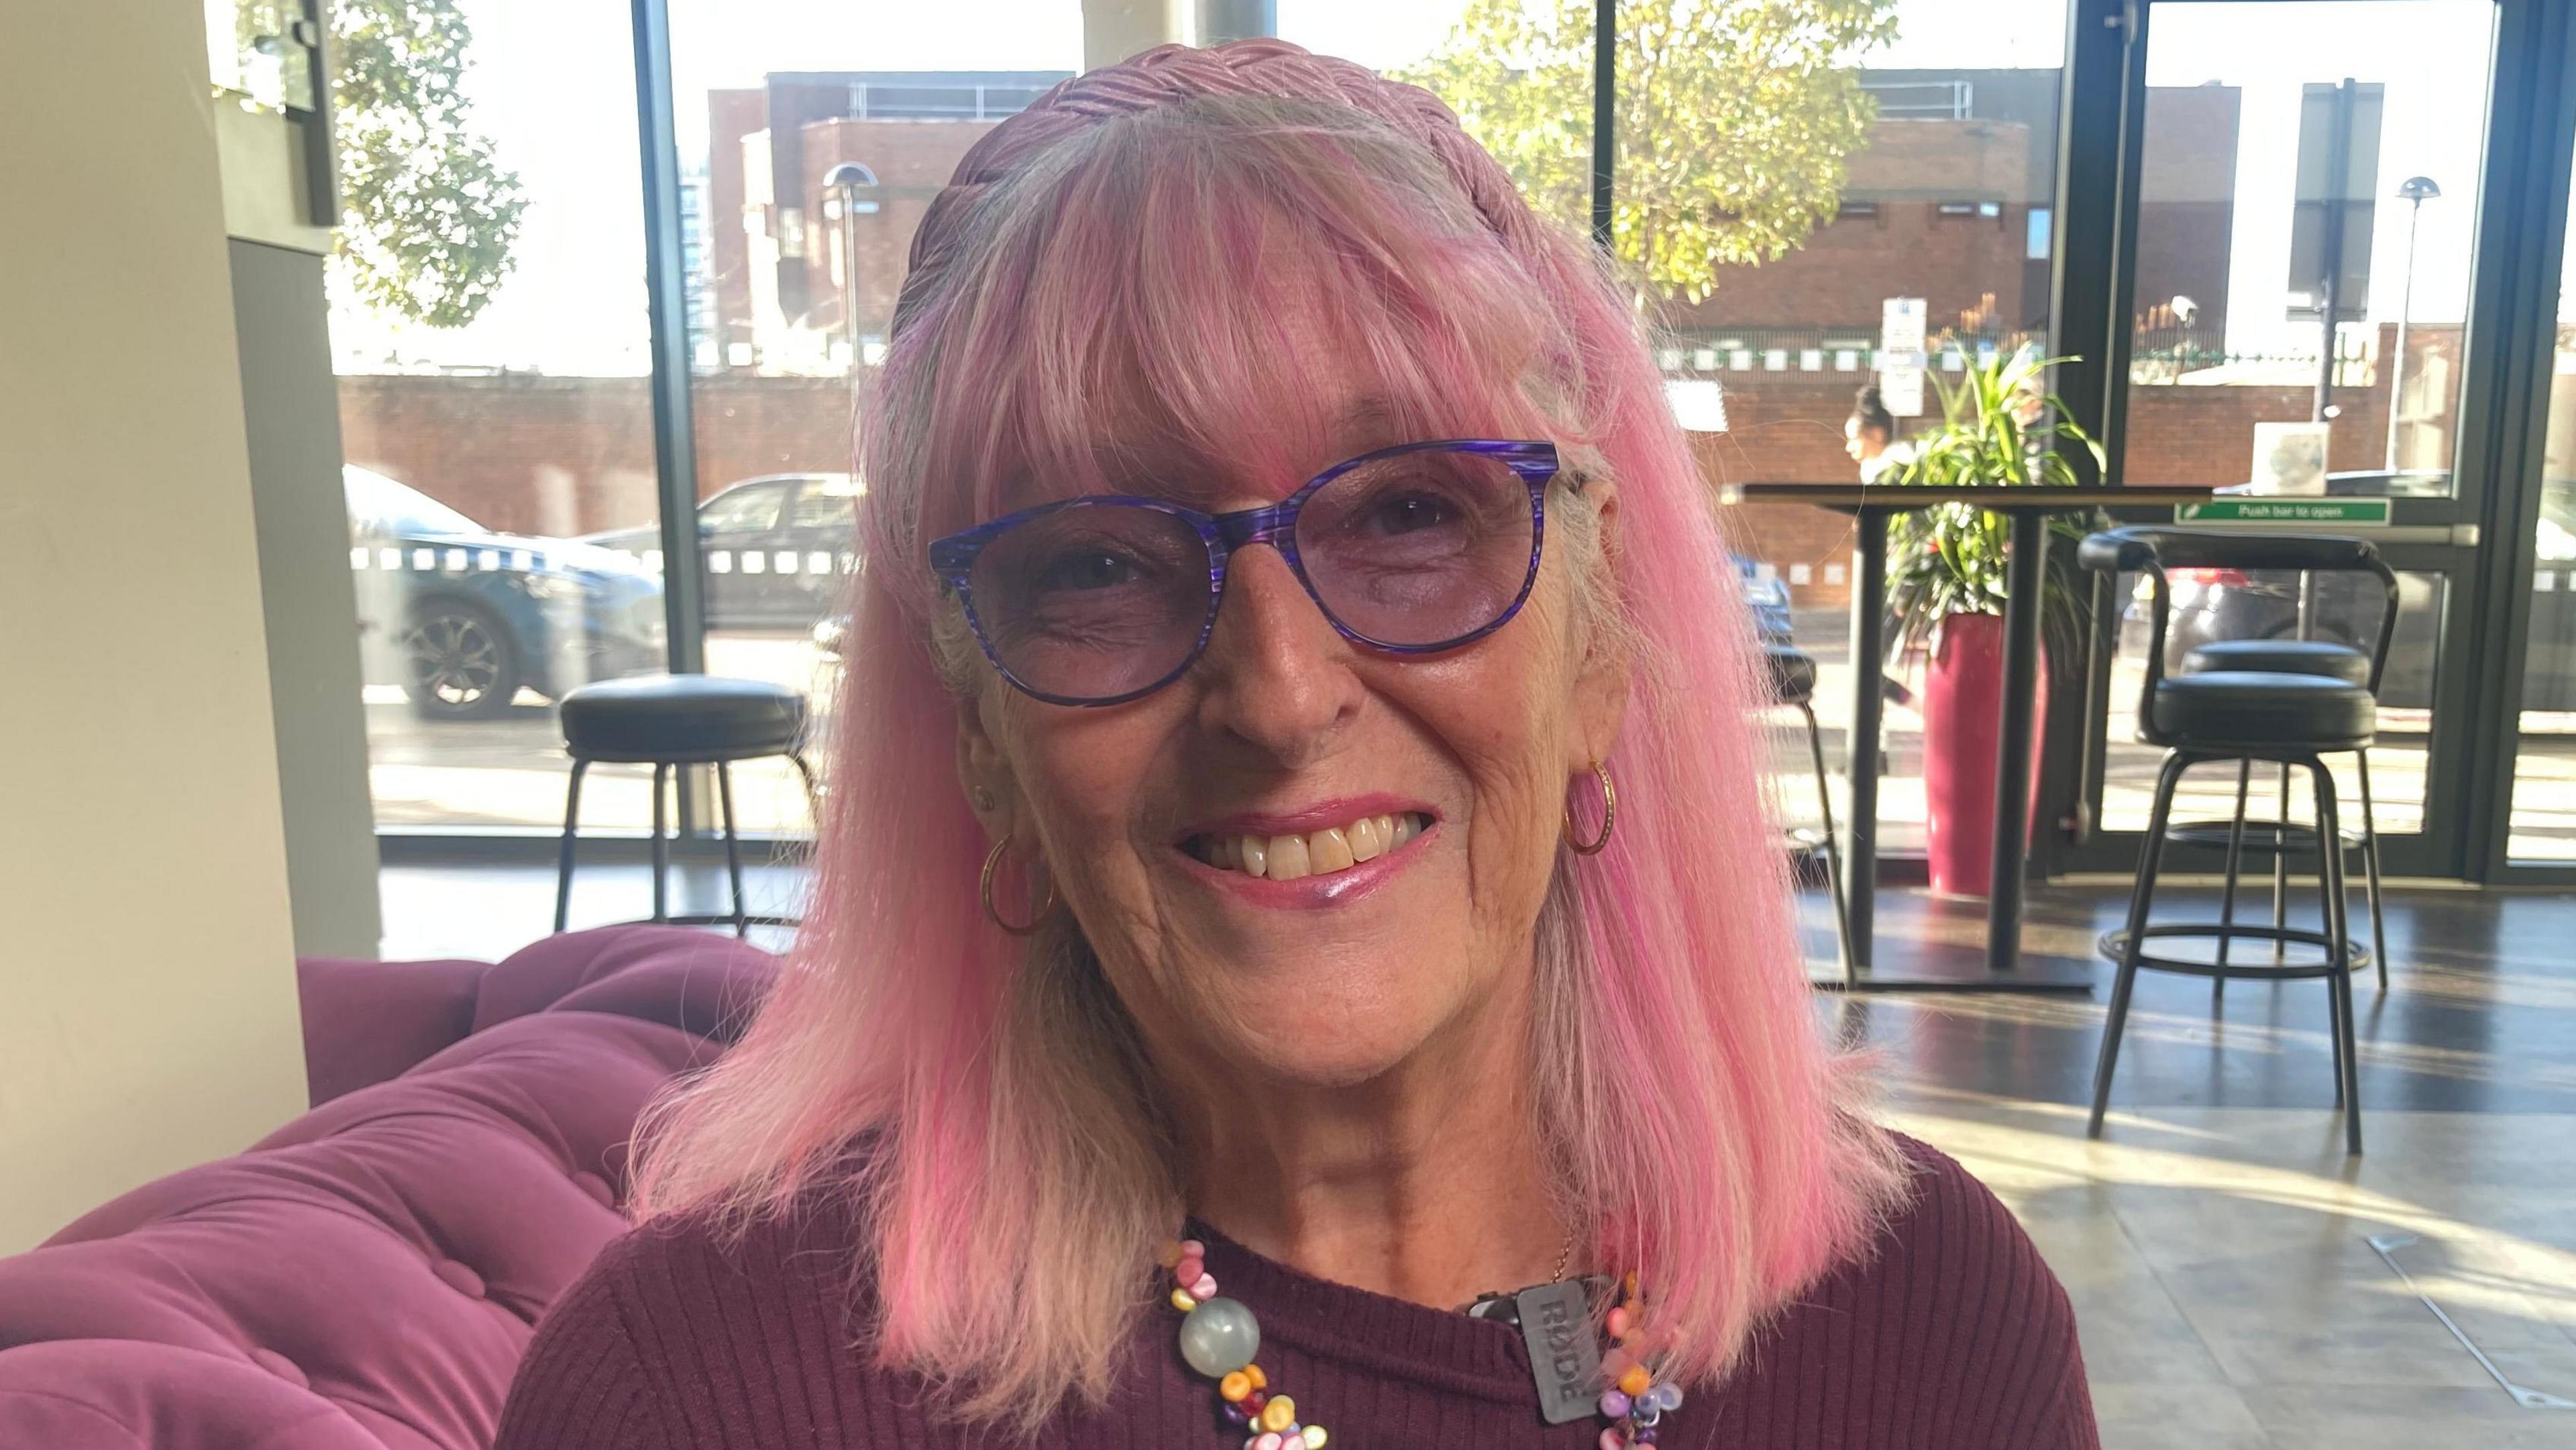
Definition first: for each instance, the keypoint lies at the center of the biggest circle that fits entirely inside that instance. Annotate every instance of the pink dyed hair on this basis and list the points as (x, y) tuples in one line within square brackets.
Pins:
[(1081, 285)]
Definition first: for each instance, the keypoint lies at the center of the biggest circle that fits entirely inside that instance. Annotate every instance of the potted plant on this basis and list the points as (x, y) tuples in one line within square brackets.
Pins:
[(2000, 426)]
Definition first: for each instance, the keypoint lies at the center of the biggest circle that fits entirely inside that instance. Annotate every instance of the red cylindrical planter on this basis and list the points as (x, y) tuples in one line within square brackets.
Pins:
[(1962, 719)]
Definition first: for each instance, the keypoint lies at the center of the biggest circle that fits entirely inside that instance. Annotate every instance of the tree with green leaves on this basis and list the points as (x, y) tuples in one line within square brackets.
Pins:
[(428, 215), (1734, 118)]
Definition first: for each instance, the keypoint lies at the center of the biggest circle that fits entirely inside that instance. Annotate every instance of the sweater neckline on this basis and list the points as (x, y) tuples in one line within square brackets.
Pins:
[(1377, 1332)]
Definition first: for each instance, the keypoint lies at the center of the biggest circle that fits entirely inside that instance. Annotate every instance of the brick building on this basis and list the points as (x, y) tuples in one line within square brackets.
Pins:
[(778, 245)]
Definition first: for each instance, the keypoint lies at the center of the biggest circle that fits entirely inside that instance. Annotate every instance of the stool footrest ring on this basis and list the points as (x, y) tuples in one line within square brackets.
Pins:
[(2114, 946), (2261, 837)]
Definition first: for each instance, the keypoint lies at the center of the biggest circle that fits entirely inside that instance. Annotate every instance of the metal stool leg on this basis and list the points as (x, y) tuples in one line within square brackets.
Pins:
[(813, 792), (661, 848), (733, 846), (2281, 870), (2235, 861), (563, 858), (2370, 872), (2339, 975), (2141, 896), (1833, 849)]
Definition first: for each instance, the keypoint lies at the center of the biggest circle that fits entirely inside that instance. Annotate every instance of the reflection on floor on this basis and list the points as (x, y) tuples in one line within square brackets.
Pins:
[(2216, 1241), (2218, 1244)]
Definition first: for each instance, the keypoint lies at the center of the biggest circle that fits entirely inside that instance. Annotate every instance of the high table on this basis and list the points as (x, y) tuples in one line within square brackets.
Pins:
[(2028, 508)]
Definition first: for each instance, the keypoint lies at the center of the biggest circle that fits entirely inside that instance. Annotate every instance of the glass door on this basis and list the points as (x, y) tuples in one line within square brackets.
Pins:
[(2304, 321), (2541, 828)]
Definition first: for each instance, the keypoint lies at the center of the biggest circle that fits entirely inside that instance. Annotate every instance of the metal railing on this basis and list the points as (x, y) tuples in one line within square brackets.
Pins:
[(945, 103), (1753, 354), (1953, 100)]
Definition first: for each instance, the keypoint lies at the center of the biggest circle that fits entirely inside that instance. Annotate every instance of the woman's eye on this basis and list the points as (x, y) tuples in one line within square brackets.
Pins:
[(1413, 511), (1089, 570)]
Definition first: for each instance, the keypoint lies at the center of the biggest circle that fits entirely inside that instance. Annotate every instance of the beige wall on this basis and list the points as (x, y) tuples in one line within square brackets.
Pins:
[(147, 990)]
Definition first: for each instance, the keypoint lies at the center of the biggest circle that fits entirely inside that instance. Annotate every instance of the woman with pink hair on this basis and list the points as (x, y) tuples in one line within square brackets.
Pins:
[(1298, 953)]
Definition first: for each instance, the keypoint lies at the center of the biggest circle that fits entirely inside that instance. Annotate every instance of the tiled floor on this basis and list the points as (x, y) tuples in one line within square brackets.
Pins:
[(2217, 1242)]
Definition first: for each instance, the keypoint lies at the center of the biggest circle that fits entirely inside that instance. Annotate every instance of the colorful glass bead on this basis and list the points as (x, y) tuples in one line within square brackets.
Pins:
[(1182, 1301), (1667, 1396), (1620, 1322), (1187, 1271), (1266, 1440), (1259, 1380), (1169, 1254), (1632, 1382), (1614, 1405), (1235, 1386), (1611, 1439), (1203, 1287), (1279, 1413), (1219, 1336), (1193, 1249), (1314, 1437)]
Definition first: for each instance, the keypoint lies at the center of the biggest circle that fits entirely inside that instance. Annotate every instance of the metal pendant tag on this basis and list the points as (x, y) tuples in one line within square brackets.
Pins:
[(1565, 1358)]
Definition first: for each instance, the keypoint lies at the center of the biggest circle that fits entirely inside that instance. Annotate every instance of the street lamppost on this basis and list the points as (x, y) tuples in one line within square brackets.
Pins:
[(846, 182), (2416, 190)]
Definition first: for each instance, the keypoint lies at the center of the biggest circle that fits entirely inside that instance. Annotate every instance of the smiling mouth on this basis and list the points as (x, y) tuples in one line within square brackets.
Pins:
[(1311, 853)]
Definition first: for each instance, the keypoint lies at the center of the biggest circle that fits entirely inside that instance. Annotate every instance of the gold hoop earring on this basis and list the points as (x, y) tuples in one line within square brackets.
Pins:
[(992, 864), (1609, 816)]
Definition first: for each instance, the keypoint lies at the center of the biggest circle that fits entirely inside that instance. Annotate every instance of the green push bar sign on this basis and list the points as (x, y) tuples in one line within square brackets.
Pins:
[(2368, 512)]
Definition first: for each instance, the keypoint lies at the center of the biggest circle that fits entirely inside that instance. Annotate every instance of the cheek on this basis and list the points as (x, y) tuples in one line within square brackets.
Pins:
[(1084, 774), (1507, 720)]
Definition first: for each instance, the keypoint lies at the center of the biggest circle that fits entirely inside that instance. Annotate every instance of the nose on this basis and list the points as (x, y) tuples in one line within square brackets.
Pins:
[(1276, 675)]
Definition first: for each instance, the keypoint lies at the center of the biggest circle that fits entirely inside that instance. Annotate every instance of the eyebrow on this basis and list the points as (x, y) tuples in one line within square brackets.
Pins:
[(1162, 464)]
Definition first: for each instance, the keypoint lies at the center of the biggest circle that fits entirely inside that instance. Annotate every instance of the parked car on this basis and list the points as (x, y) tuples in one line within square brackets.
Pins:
[(463, 618), (1768, 598), (776, 549)]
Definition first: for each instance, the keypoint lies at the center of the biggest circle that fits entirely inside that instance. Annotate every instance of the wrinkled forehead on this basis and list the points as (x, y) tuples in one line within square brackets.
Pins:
[(1222, 324)]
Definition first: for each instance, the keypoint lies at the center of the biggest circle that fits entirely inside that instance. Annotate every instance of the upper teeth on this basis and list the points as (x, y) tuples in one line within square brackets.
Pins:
[(1336, 848)]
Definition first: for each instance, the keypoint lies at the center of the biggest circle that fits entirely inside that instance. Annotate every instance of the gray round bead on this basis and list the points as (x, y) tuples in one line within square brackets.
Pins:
[(1220, 1337)]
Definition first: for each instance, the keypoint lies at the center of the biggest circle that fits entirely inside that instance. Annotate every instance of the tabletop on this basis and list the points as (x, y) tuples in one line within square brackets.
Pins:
[(2003, 498)]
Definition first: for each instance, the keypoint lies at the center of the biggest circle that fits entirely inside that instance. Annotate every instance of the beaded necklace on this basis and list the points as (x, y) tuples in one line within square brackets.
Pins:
[(1220, 1336)]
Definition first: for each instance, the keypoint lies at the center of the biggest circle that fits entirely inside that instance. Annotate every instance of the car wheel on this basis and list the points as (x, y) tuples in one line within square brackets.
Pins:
[(459, 662)]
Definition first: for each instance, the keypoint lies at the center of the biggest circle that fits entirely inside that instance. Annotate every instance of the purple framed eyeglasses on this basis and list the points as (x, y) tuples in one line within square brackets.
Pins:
[(1408, 550)]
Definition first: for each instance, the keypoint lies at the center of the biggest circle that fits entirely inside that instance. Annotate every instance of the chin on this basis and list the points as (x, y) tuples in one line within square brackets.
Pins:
[(1327, 1034)]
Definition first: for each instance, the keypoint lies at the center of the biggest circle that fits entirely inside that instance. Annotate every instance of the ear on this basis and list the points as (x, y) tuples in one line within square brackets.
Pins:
[(983, 770), (1602, 677)]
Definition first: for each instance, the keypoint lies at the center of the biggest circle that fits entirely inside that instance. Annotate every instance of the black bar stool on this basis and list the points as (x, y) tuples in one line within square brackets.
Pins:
[(2293, 719), (2297, 657), (671, 721), (1793, 683)]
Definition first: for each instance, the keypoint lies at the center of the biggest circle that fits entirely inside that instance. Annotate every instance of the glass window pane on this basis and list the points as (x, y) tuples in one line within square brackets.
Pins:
[(1901, 233), (488, 327), (2543, 828), (812, 136), (2245, 225)]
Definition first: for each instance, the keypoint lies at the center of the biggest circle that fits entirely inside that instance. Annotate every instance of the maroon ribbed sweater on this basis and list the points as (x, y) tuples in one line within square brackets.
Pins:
[(1950, 1333)]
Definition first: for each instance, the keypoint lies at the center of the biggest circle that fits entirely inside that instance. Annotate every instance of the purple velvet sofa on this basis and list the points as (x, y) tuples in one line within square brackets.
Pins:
[(369, 1274)]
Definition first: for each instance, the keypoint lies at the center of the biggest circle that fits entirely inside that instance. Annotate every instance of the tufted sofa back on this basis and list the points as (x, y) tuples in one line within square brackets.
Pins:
[(369, 1274)]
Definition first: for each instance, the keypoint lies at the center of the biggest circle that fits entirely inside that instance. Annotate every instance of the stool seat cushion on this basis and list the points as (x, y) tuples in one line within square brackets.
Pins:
[(2281, 657), (680, 718), (1793, 673), (2248, 707)]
